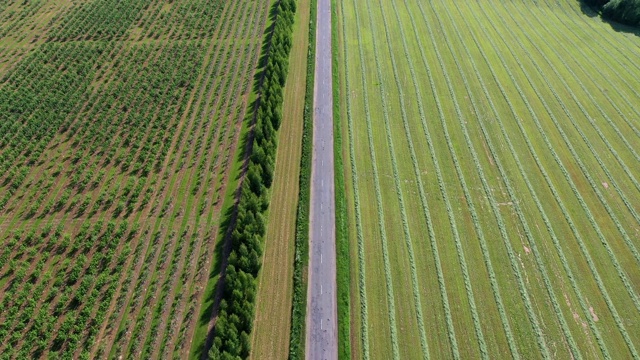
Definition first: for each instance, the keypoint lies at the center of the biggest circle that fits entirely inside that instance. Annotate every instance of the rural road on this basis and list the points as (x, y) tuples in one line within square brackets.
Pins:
[(322, 322)]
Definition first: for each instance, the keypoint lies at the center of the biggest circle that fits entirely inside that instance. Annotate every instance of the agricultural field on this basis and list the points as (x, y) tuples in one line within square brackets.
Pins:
[(121, 125), (491, 151)]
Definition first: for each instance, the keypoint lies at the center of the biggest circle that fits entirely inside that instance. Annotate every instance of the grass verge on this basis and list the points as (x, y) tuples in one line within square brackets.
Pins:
[(301, 259), (343, 275)]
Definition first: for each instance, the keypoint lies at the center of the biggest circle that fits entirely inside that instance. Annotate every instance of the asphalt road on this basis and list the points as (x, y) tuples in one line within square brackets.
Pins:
[(322, 322)]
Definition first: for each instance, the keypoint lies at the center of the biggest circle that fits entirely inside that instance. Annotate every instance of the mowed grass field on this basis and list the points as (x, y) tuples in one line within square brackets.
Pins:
[(120, 129), (493, 184)]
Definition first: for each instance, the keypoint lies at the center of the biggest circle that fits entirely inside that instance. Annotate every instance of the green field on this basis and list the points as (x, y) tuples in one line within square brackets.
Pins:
[(492, 153), (121, 125)]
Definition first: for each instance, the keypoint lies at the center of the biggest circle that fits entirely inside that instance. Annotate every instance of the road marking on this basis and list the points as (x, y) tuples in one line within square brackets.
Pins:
[(320, 324), (320, 289), (321, 263)]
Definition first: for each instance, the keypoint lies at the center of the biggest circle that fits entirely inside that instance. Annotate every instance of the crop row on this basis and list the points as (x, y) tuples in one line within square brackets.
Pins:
[(445, 195), (102, 20), (532, 242), (13, 19), (179, 212), (526, 297), (94, 264), (560, 203), (378, 194), (586, 173), (236, 111), (604, 139), (128, 189), (228, 115), (469, 199), (529, 186), (362, 284), (623, 48)]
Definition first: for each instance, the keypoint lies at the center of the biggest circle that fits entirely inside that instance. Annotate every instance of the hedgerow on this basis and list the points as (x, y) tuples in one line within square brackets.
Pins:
[(624, 11), (235, 317)]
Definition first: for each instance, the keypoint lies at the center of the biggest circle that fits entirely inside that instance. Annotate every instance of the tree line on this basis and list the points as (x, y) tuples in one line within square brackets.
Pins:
[(622, 11), (235, 319)]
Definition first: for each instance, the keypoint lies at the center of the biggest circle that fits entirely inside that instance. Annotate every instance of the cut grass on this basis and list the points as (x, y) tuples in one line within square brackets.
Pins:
[(474, 115)]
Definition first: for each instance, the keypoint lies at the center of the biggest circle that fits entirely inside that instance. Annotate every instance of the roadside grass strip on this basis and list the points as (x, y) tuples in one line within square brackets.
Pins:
[(565, 211), (362, 285), (346, 350), (301, 246)]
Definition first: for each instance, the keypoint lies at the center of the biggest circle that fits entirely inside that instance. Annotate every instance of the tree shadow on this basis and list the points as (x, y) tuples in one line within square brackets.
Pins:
[(622, 28), (589, 10), (264, 51), (218, 268)]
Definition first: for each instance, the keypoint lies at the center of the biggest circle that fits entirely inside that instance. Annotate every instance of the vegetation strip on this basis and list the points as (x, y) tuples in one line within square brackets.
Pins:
[(301, 256), (235, 317), (343, 248)]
